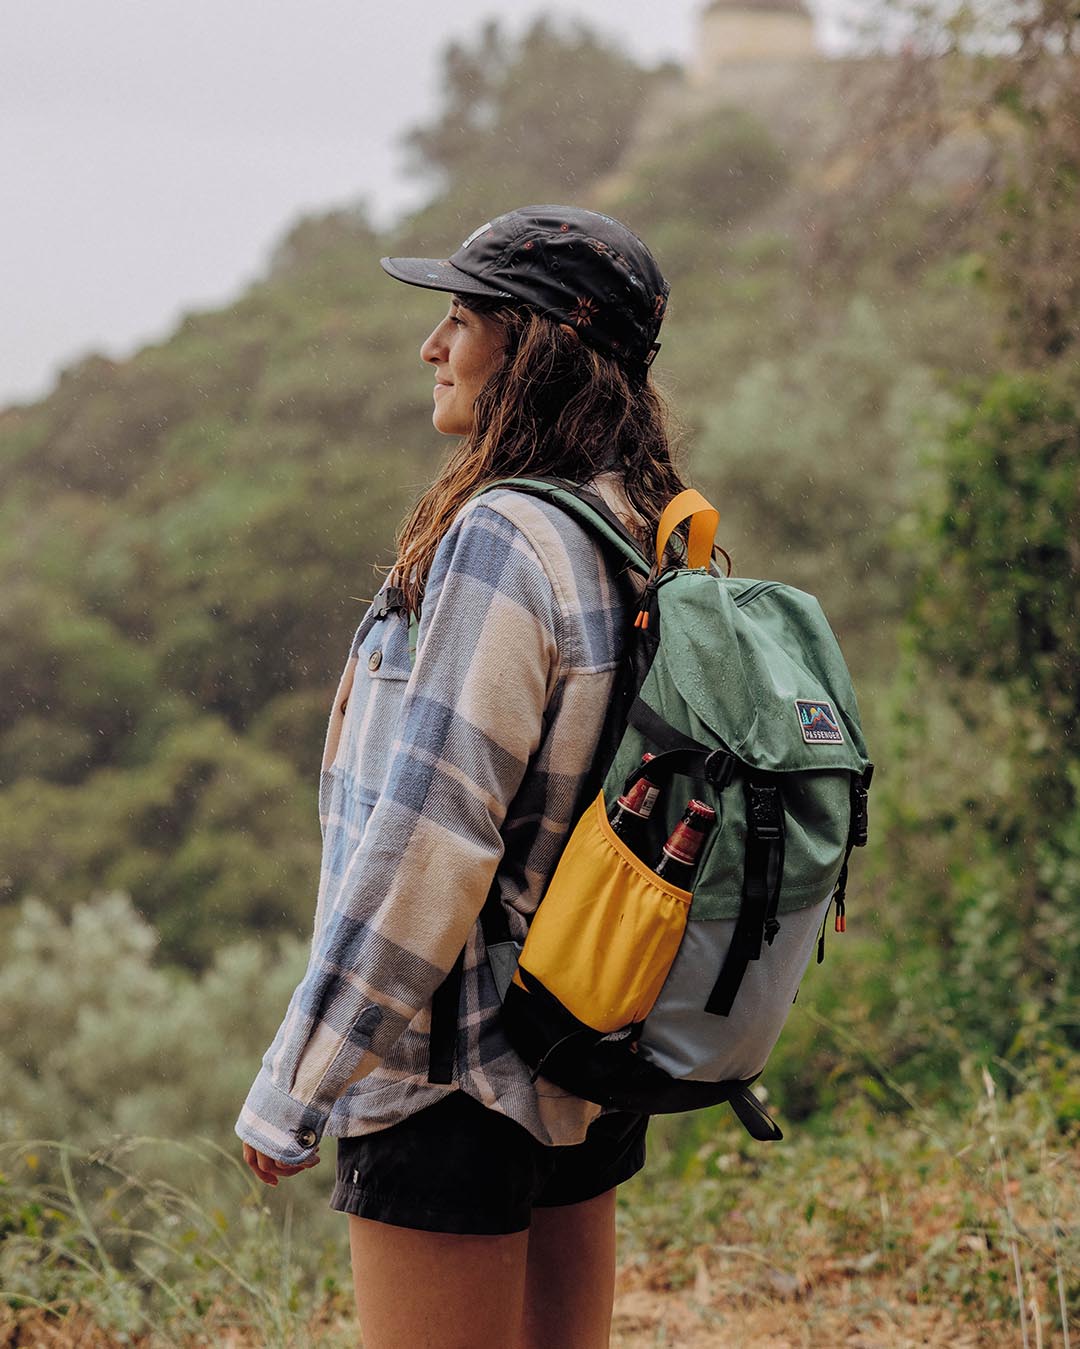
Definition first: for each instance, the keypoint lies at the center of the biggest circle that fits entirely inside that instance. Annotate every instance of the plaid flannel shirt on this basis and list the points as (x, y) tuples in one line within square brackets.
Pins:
[(434, 779)]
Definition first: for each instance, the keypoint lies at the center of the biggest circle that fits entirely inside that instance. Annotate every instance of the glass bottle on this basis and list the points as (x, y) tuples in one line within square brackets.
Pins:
[(679, 856), (630, 814)]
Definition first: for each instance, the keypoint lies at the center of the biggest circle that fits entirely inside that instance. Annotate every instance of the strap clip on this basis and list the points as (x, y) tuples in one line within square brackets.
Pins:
[(386, 601), (719, 768), (763, 817), (860, 815)]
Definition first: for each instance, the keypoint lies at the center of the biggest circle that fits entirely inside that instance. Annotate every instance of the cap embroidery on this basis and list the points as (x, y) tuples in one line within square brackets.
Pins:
[(583, 311)]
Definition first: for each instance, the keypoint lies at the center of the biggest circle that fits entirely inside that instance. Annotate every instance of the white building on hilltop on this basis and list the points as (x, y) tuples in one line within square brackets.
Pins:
[(734, 32)]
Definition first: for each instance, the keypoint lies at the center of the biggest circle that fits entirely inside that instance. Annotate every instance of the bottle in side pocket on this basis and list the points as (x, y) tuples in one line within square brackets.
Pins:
[(679, 856), (631, 812)]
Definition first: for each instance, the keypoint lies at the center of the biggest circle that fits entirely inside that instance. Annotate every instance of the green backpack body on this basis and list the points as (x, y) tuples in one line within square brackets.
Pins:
[(630, 991)]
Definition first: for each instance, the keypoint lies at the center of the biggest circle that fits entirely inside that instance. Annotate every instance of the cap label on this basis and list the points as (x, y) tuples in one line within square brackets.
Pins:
[(476, 234), (818, 722)]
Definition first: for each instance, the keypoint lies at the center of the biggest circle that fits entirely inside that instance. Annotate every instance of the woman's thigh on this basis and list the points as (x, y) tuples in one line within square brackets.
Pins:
[(570, 1275), (437, 1290)]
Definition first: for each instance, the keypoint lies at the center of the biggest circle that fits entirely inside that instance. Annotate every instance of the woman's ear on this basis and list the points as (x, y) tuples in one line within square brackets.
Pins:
[(568, 328)]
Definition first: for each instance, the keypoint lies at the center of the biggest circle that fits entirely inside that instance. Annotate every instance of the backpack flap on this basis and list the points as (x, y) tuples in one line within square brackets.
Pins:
[(759, 671)]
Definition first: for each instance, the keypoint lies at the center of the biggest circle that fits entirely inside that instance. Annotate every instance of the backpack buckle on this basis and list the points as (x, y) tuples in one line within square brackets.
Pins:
[(860, 814), (719, 768), (393, 597), (763, 819)]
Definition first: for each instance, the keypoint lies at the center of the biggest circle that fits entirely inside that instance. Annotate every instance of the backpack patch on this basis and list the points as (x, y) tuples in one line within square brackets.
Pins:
[(818, 723)]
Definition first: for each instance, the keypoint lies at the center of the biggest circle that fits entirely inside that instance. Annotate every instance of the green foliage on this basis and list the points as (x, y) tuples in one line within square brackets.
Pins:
[(149, 1224), (78, 662), (981, 826), (210, 834), (99, 1235), (698, 181), (535, 119), (1004, 533), (821, 443), (97, 1038)]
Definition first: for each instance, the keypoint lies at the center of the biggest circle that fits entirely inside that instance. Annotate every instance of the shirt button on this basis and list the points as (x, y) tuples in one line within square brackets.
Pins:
[(307, 1138), (374, 660)]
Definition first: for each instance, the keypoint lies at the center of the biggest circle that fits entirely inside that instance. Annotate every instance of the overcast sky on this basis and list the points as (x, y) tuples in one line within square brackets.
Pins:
[(152, 151)]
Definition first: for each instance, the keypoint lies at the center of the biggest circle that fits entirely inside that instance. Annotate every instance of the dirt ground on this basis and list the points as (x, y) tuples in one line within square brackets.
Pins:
[(832, 1313), (800, 1315)]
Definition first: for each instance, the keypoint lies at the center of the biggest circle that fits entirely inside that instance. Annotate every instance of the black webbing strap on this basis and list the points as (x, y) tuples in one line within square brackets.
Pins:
[(444, 1022), (656, 729), (753, 1116), (858, 833), (493, 920), (757, 921)]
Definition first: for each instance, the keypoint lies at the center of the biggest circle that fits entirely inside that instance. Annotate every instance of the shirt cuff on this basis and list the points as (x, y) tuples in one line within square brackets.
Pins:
[(275, 1124)]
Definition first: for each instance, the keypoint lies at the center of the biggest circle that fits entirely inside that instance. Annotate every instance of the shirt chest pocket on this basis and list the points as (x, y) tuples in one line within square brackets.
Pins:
[(373, 706)]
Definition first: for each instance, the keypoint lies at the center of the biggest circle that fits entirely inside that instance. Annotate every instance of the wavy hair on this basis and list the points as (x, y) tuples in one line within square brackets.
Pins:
[(553, 406)]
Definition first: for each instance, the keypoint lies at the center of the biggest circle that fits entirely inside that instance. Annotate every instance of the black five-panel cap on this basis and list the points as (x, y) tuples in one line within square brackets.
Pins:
[(575, 266)]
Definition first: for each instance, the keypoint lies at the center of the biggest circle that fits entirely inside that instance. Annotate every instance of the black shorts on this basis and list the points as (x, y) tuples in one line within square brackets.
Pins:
[(457, 1166)]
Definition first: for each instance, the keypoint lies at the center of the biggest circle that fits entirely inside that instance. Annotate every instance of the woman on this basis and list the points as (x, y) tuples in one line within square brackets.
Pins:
[(481, 1204)]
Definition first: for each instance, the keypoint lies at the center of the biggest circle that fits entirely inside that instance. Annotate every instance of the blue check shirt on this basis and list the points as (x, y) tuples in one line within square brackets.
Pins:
[(437, 777)]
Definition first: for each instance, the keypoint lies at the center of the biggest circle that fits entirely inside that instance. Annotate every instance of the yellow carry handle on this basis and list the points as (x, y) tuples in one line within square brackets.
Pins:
[(689, 505)]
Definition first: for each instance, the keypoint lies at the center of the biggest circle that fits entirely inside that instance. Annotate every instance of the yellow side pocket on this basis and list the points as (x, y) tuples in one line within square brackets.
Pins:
[(605, 936)]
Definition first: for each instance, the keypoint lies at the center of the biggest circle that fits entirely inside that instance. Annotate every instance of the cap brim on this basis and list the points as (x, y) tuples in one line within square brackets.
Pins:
[(438, 274)]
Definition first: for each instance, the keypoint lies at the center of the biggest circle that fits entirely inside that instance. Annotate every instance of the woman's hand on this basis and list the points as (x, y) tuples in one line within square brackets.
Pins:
[(269, 1169)]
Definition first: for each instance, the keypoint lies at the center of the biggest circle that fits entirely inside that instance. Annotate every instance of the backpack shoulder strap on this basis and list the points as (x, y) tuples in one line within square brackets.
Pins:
[(585, 506), (588, 508)]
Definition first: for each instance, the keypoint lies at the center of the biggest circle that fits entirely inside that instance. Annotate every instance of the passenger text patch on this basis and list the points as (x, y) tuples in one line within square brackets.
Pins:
[(819, 723)]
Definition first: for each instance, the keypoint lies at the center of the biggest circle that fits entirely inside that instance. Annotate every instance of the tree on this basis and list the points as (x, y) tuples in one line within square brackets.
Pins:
[(544, 115)]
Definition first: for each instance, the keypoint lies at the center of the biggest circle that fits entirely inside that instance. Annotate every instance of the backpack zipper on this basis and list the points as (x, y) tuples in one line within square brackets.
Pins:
[(754, 591)]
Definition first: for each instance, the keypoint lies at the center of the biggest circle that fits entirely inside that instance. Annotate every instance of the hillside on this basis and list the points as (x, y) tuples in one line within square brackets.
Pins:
[(871, 350), (187, 538)]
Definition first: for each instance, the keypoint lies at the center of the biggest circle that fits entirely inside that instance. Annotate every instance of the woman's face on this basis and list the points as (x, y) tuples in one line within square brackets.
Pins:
[(464, 349)]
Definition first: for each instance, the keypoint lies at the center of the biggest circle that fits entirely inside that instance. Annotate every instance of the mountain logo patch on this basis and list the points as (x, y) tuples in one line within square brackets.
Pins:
[(818, 722)]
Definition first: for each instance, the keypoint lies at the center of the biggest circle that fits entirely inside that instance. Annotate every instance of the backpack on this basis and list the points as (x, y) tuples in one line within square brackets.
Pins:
[(631, 991)]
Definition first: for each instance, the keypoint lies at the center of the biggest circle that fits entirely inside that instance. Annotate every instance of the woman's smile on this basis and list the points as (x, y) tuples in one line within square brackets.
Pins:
[(465, 350)]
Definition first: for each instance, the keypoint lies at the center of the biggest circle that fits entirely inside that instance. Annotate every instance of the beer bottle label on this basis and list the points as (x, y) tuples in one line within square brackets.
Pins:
[(640, 798)]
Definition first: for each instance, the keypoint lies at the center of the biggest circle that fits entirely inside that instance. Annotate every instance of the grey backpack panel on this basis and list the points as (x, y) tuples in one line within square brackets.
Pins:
[(680, 1037)]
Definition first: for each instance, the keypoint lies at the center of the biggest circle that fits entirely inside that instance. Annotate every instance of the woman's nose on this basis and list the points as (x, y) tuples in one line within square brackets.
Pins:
[(433, 349)]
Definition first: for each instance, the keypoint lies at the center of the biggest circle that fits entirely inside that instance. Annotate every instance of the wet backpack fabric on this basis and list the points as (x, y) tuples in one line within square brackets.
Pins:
[(630, 991)]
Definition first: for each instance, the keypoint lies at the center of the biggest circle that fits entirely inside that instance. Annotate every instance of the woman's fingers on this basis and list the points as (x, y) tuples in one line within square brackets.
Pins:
[(257, 1161), (269, 1169)]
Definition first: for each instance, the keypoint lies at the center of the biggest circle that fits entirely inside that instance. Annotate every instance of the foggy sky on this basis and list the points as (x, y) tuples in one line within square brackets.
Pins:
[(152, 151)]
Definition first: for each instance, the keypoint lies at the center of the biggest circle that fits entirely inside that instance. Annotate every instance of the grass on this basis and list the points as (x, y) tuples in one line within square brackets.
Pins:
[(923, 1226), (942, 1226)]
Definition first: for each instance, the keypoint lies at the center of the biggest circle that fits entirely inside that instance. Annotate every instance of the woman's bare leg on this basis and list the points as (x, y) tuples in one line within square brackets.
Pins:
[(436, 1290), (570, 1280)]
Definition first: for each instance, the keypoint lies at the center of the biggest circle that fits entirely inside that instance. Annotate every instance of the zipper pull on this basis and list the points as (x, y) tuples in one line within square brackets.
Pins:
[(645, 602)]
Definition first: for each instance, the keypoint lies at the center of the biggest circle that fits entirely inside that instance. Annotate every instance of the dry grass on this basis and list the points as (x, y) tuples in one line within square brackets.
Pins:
[(882, 1236)]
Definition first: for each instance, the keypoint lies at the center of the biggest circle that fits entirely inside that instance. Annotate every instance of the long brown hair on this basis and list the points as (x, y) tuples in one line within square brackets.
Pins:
[(554, 406)]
